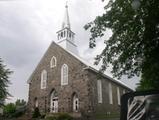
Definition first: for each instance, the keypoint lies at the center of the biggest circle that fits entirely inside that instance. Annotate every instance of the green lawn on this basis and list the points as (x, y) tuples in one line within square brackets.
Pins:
[(107, 117)]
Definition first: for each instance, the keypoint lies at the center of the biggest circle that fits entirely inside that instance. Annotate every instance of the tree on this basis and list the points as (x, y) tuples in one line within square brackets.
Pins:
[(9, 109), (144, 85), (4, 82), (133, 46), (21, 102), (20, 108), (14, 110)]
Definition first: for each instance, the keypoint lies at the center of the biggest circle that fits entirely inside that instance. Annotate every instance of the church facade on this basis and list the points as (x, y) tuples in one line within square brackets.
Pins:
[(63, 82)]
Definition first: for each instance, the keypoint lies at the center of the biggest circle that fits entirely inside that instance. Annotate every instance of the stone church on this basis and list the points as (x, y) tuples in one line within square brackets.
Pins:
[(63, 82)]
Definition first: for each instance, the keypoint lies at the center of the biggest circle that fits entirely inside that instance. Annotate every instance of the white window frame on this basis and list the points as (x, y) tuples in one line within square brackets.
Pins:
[(110, 94), (43, 79), (118, 95), (53, 62), (99, 91), (64, 74)]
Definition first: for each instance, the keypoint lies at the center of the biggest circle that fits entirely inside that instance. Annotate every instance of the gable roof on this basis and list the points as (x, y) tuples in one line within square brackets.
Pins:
[(89, 66), (29, 79), (95, 69)]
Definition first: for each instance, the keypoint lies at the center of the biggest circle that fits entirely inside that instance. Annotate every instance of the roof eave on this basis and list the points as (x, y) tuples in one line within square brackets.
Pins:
[(106, 76)]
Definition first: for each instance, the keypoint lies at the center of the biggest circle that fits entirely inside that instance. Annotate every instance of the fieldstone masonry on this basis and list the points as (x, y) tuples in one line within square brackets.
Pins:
[(82, 80)]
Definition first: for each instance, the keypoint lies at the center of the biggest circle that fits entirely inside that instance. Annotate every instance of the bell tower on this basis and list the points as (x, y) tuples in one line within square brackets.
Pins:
[(65, 37)]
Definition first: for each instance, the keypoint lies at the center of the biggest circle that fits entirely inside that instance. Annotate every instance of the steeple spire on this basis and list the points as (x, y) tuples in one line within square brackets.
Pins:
[(65, 36), (66, 20)]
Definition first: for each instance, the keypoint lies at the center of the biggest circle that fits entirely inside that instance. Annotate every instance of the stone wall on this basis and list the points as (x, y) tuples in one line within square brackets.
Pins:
[(81, 80), (77, 81), (105, 107)]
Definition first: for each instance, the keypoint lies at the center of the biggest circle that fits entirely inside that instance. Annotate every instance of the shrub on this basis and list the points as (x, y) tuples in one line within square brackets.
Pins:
[(42, 116), (20, 110), (36, 113), (9, 109), (12, 110)]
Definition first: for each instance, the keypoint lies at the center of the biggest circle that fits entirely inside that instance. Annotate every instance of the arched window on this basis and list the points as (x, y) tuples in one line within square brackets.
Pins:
[(36, 102), (110, 94), (61, 34), (64, 74), (99, 90), (75, 103), (53, 62), (43, 79), (70, 35), (118, 95)]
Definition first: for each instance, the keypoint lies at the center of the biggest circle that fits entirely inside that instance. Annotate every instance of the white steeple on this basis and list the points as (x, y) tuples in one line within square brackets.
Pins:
[(66, 20), (65, 36)]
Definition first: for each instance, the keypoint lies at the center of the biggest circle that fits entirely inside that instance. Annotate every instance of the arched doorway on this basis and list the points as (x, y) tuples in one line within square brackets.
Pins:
[(54, 102), (75, 103)]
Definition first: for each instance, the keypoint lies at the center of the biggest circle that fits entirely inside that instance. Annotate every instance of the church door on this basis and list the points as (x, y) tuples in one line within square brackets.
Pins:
[(54, 102), (54, 106), (75, 103)]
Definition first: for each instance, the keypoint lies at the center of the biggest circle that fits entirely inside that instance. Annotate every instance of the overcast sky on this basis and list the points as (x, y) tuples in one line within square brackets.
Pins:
[(27, 27)]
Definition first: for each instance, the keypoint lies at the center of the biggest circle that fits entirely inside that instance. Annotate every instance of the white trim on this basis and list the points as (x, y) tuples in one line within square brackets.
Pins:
[(99, 91), (64, 74), (53, 62), (53, 103), (43, 79), (118, 95), (67, 41), (110, 94)]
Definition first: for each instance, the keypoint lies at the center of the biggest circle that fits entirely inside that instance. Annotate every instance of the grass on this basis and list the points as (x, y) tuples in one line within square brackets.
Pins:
[(106, 116)]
